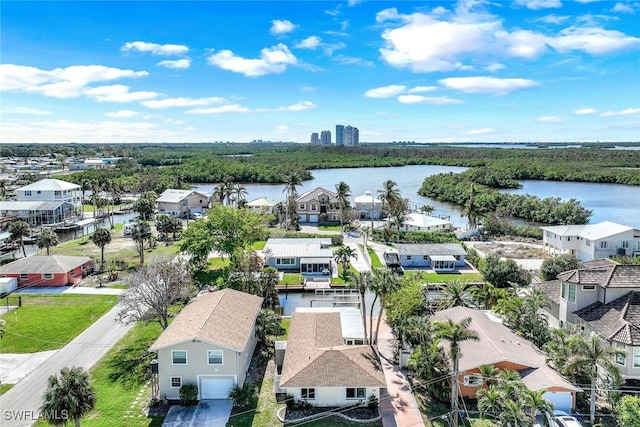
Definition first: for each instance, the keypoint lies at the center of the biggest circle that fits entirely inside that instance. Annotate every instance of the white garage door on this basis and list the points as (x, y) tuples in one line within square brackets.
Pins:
[(215, 388), (560, 399), (313, 218)]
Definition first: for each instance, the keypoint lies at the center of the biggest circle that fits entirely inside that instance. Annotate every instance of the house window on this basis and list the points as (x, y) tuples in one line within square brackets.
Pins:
[(56, 193), (308, 393), (301, 206), (425, 257), (27, 193), (568, 238), (179, 357), (359, 342), (408, 257), (356, 393), (625, 244), (563, 292), (636, 357), (73, 273), (176, 382), (587, 242), (314, 207), (588, 287), (214, 357), (24, 276), (572, 293), (47, 276), (621, 359), (603, 244), (285, 261)]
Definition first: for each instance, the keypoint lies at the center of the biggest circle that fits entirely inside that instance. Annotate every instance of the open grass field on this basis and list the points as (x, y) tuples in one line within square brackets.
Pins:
[(447, 277), (48, 322)]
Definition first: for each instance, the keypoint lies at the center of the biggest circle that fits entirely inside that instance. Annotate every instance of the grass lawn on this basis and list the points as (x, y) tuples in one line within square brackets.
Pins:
[(335, 227), (5, 388), (375, 261), (285, 323), (291, 279), (48, 322), (117, 382), (258, 246), (263, 412), (450, 277)]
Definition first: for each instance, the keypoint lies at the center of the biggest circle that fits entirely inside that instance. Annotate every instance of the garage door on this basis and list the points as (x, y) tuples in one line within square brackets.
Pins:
[(215, 388), (313, 218), (560, 399)]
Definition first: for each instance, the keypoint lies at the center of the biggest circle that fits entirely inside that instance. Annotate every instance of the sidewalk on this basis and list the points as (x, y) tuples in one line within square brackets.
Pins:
[(398, 406)]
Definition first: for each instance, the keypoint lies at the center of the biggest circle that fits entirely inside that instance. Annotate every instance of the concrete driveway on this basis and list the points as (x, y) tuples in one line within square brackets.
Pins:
[(210, 413)]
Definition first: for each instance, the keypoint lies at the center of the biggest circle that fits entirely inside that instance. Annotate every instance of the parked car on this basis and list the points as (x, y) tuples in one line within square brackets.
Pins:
[(127, 228), (326, 271), (197, 215), (562, 419)]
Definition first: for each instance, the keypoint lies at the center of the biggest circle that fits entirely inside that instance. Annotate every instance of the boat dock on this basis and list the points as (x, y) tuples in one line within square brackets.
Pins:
[(337, 296)]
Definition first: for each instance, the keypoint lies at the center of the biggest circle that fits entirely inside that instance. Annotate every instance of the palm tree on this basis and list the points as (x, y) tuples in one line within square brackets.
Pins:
[(471, 209), (588, 355), (536, 402), (487, 295), (141, 233), (240, 192), (489, 375), (343, 191), (455, 333), (343, 255), (292, 182), (384, 282), (227, 187), (101, 238), (427, 209), (362, 282), (454, 294), (513, 415), (389, 194), (490, 401), (47, 239), (70, 394), (3, 189), (18, 231), (218, 193)]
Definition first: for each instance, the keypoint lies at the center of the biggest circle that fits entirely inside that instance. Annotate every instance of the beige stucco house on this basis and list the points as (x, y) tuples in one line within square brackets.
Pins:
[(180, 203), (210, 343), (317, 205)]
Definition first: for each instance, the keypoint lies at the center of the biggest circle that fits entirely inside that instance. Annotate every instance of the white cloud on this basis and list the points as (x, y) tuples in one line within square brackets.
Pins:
[(282, 128), (155, 48), (118, 93), (123, 114), (523, 43), (482, 131), (481, 84), (625, 112), (310, 42), (422, 89), (625, 7), (231, 108), (492, 68), (554, 19), (175, 64), (350, 60), (301, 106), (539, 4), (26, 110), (272, 60), (551, 119), (433, 100), (585, 111), (182, 102), (595, 41), (281, 27), (385, 91)]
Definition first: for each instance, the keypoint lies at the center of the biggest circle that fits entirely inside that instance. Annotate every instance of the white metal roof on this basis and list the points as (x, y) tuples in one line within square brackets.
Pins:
[(350, 319), (589, 231), (50, 184), (298, 248), (421, 220)]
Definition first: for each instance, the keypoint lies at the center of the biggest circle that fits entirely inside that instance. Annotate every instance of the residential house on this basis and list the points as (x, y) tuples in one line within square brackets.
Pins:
[(421, 222), (602, 296), (181, 203), (306, 255), (262, 204), (48, 270), (368, 207), (325, 361), (500, 347), (318, 205), (440, 257), (209, 343), (591, 241)]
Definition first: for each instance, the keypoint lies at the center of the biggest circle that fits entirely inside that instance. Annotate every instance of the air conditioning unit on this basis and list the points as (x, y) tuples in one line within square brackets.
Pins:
[(472, 380)]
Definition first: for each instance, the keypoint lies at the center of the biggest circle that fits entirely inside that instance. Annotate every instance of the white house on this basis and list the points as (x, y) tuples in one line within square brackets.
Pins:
[(591, 241), (325, 361), (421, 222), (210, 343), (441, 257), (50, 190), (261, 204), (306, 255), (180, 203), (368, 206)]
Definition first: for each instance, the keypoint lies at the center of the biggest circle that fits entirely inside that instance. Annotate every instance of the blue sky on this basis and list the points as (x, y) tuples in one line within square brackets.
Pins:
[(425, 71)]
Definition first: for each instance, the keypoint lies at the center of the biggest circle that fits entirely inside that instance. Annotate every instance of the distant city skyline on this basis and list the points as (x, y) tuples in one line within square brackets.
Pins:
[(237, 71)]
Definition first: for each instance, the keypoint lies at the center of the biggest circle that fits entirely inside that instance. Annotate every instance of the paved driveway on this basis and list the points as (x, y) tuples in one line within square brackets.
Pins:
[(210, 413)]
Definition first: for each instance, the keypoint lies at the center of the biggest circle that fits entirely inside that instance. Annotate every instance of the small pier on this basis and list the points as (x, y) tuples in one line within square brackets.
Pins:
[(337, 296)]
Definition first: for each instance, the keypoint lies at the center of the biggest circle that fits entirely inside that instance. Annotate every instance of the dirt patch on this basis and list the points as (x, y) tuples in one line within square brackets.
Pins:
[(510, 250)]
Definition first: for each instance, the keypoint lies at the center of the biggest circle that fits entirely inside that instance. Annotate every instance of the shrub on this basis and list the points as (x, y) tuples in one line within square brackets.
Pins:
[(188, 394), (243, 396), (373, 402)]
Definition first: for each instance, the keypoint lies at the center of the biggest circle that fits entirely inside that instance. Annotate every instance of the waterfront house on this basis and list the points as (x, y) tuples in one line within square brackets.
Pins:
[(440, 257), (304, 255), (181, 203), (210, 343), (500, 347), (262, 204), (591, 241), (421, 222), (48, 270), (326, 362), (318, 205), (368, 207)]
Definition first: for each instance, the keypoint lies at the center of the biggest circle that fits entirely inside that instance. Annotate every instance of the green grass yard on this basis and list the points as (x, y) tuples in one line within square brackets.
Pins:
[(48, 322), (447, 277)]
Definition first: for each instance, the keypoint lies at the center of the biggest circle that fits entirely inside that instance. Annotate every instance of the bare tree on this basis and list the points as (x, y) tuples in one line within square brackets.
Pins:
[(154, 288)]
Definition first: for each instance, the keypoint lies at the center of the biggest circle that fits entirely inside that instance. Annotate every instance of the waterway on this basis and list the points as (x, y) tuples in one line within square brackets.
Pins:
[(608, 202)]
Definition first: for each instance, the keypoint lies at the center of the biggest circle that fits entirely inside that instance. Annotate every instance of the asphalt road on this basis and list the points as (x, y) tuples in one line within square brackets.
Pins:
[(20, 405)]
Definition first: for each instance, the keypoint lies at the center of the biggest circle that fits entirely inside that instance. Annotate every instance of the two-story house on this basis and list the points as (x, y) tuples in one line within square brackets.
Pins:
[(318, 205), (210, 343), (591, 241), (603, 297), (180, 203), (368, 207)]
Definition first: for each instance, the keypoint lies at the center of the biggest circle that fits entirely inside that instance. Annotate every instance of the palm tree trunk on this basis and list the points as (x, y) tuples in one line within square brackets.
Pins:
[(24, 252), (382, 302), (363, 312), (371, 320), (101, 258), (454, 390), (76, 421), (592, 403)]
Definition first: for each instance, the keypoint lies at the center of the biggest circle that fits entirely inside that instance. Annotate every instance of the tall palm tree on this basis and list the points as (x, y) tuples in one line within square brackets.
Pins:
[(490, 401), (455, 333), (536, 402), (70, 394), (455, 294), (343, 256), (240, 192), (588, 355), (362, 282), (3, 189), (343, 191), (427, 209), (228, 188), (140, 234), (384, 283), (291, 184), (513, 415), (47, 239), (487, 295), (101, 238), (18, 231), (389, 194)]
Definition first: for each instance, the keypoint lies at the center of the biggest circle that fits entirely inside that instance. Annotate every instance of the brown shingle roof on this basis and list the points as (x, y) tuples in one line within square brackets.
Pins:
[(41, 264), (224, 318), (618, 320), (316, 357), (606, 276), (551, 289)]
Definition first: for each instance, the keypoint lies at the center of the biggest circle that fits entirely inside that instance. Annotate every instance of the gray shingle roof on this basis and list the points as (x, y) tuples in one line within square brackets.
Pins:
[(44, 264), (618, 320), (298, 248), (606, 276), (431, 249), (551, 289), (224, 318)]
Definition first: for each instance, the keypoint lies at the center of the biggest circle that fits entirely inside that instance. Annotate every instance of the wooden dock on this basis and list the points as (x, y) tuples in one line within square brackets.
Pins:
[(337, 296)]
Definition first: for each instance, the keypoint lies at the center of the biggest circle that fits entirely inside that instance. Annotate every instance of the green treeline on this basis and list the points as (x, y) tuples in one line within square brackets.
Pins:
[(480, 200)]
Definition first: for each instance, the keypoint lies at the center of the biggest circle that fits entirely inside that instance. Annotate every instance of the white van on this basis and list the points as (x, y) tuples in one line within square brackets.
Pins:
[(128, 228)]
